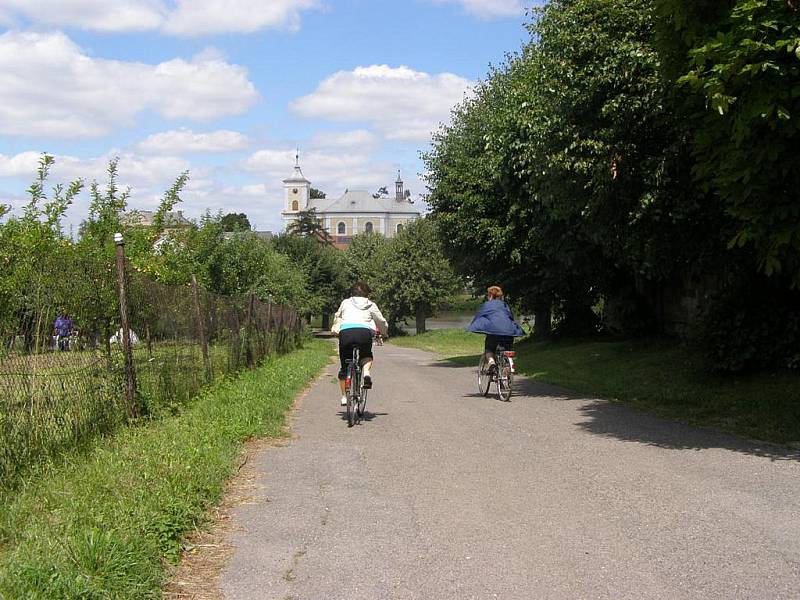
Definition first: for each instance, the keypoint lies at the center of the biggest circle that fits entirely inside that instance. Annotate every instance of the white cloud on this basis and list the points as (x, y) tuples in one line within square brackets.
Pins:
[(23, 164), (49, 87), (402, 103), (358, 138), (185, 141), (100, 15), (329, 171), (180, 17), (197, 17), (489, 9)]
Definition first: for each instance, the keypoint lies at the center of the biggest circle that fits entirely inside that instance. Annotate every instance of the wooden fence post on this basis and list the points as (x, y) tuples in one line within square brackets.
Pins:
[(201, 329), (127, 348)]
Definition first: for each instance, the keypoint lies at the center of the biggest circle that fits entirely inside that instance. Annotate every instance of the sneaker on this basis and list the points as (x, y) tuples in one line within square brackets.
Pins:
[(367, 382), (343, 401)]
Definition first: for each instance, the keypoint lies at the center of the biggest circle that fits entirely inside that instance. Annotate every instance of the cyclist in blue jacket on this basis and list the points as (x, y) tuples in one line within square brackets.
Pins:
[(495, 320)]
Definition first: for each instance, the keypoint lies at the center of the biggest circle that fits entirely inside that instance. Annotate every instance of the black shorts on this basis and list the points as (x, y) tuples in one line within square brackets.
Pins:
[(493, 341), (349, 339)]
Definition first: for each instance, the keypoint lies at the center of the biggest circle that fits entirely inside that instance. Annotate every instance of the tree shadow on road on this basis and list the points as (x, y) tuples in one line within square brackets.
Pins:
[(615, 420), (609, 419), (618, 421)]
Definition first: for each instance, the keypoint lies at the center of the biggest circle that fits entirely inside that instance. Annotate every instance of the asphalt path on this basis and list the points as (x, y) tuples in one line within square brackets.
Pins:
[(442, 493)]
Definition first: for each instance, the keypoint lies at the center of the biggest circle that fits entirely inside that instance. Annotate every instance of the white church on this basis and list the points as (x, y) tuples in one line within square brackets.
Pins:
[(356, 211)]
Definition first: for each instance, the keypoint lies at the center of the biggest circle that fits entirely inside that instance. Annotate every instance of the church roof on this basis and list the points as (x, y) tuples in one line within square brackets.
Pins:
[(296, 177), (361, 201)]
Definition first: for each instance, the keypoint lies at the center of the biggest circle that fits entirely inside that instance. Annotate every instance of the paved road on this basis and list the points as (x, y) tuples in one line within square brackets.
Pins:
[(444, 494)]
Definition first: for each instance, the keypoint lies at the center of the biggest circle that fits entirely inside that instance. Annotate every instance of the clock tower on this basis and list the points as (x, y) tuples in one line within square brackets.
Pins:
[(297, 190)]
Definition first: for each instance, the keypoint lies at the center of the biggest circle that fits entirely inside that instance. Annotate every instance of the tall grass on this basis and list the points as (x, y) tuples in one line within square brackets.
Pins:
[(101, 524)]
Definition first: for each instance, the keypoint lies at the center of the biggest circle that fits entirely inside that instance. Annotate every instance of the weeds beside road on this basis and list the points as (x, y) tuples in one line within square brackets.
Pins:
[(661, 377), (101, 524)]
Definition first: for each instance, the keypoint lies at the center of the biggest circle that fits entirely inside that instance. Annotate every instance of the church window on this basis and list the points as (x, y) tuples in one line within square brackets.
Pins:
[(399, 227), (368, 227), (341, 228), (295, 205)]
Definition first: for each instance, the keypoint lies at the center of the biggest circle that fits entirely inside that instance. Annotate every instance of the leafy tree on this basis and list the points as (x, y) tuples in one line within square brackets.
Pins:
[(308, 224), (315, 194), (235, 222), (416, 276), (364, 257), (324, 269), (247, 264)]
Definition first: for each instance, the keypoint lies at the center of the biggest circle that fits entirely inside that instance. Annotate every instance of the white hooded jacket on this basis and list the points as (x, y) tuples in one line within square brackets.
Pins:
[(358, 311)]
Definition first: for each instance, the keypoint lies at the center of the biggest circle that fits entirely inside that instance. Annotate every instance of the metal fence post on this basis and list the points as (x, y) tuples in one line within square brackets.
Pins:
[(201, 328), (127, 348)]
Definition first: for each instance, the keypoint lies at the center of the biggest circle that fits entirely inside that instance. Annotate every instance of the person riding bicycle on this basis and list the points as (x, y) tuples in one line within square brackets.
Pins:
[(355, 322), (495, 320)]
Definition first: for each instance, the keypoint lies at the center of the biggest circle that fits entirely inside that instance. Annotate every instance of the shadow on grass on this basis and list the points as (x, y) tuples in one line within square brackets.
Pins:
[(618, 421)]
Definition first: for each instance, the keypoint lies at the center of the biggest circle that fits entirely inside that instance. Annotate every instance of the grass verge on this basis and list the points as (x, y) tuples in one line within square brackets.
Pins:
[(661, 377), (102, 524)]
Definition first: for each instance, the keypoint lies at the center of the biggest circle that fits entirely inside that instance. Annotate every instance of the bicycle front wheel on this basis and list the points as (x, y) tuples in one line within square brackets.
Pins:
[(484, 377), (505, 378)]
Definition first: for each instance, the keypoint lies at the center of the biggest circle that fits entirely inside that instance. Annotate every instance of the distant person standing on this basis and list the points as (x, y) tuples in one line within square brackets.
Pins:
[(62, 329)]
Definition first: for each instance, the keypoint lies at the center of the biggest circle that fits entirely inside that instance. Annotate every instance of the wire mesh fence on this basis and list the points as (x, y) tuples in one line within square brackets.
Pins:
[(63, 368)]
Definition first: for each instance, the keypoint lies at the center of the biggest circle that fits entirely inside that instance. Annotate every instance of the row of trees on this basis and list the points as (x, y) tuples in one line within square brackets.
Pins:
[(409, 274), (633, 167)]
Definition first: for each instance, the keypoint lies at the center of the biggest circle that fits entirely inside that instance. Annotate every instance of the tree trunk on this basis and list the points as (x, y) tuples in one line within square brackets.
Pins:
[(420, 319), (326, 320), (542, 320)]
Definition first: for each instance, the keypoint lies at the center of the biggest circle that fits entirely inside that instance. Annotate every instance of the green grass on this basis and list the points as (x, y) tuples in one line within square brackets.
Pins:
[(661, 377), (104, 523), (448, 342)]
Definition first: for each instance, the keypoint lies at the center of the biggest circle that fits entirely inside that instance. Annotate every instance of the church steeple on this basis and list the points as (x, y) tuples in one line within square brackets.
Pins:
[(398, 188), (297, 188)]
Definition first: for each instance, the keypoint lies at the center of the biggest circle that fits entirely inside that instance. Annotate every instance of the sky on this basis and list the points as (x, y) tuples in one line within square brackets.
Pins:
[(231, 90)]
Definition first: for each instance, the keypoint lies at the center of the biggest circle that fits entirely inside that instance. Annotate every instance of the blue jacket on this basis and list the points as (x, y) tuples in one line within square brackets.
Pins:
[(495, 318)]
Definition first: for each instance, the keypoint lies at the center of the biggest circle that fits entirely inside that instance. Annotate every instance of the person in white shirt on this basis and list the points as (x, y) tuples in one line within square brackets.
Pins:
[(356, 321)]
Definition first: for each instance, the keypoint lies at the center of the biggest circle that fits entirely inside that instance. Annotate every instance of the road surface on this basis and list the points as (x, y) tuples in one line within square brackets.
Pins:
[(444, 494)]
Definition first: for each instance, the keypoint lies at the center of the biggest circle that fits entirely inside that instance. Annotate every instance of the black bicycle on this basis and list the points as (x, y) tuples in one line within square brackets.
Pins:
[(355, 391), (501, 373)]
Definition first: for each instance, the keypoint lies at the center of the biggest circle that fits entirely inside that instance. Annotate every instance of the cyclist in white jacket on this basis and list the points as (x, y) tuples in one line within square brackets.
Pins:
[(356, 321)]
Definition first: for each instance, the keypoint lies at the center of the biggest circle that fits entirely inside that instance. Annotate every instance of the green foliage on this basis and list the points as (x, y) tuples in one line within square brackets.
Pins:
[(323, 266), (746, 140), (308, 224), (235, 222), (365, 257), (562, 178), (246, 264), (416, 276), (315, 194)]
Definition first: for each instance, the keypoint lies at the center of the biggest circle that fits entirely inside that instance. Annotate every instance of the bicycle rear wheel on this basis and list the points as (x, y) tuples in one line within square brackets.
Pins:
[(362, 402), (484, 377), (505, 378), (352, 397)]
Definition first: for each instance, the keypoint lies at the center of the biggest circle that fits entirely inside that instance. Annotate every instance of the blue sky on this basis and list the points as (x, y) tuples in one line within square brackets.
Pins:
[(229, 89)]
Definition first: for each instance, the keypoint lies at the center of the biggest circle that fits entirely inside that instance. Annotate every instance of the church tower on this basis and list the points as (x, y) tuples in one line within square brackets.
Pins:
[(398, 189), (297, 189)]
